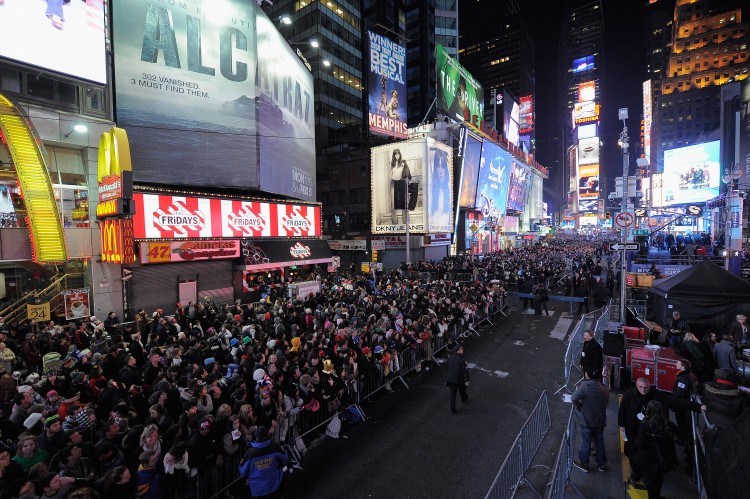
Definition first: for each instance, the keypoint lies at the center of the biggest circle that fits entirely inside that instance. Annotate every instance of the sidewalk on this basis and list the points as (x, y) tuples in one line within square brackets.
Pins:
[(613, 482)]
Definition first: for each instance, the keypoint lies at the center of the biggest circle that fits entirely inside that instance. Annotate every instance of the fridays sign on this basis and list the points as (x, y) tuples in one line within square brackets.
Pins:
[(181, 217)]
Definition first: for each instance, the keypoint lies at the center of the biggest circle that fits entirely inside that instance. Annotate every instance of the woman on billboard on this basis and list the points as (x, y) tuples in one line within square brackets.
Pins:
[(400, 176), (440, 198)]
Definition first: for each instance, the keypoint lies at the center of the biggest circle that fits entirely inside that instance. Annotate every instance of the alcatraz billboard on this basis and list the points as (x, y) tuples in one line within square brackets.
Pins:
[(387, 84), (212, 96), (458, 92)]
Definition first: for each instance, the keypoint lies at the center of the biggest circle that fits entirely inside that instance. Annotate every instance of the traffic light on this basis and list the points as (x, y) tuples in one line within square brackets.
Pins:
[(374, 255), (608, 215)]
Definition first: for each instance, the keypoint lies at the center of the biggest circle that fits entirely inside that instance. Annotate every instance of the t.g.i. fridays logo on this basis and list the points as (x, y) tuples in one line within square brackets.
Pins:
[(299, 250), (179, 218), (245, 221), (295, 222)]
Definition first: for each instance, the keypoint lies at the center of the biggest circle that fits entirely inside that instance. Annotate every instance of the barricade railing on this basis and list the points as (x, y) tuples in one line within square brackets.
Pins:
[(209, 481), (595, 321), (512, 473), (560, 481)]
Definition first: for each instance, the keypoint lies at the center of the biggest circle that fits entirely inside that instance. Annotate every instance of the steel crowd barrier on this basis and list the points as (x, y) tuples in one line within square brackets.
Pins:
[(595, 321), (560, 481), (512, 474)]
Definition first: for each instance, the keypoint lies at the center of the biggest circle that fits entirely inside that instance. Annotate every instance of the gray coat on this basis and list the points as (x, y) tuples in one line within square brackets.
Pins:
[(591, 399), (725, 356)]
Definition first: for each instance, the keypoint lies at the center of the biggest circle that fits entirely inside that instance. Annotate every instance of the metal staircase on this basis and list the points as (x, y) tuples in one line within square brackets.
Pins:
[(16, 312)]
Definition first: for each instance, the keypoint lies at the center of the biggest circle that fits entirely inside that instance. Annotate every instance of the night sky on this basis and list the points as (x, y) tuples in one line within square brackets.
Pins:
[(624, 70)]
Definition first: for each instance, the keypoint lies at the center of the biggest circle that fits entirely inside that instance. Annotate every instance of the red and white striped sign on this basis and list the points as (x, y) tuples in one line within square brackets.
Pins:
[(182, 217)]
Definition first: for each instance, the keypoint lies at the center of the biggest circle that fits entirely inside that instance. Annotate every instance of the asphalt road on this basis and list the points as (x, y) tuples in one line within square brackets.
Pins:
[(411, 446)]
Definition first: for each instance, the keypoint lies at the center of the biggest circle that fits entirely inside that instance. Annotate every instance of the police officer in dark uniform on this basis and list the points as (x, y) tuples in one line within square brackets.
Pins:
[(458, 375)]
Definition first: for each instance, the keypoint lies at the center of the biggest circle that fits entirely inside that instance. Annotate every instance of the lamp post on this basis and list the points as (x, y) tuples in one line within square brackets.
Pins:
[(623, 142), (491, 224), (733, 219)]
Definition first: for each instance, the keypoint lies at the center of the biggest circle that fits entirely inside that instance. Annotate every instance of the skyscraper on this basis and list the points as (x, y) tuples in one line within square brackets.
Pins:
[(708, 47)]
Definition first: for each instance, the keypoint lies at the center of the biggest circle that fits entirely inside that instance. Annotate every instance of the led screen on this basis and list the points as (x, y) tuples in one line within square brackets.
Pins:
[(64, 37), (583, 64), (519, 186), (494, 178), (526, 122), (588, 151), (387, 79), (691, 174), (511, 116), (469, 172), (588, 181), (745, 126), (586, 131), (587, 91), (207, 100)]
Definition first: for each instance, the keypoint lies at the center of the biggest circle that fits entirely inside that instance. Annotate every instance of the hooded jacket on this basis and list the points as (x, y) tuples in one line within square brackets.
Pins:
[(263, 465)]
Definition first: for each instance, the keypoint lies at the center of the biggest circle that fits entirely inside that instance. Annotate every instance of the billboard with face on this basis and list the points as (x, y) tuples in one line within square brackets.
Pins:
[(470, 172), (494, 178), (212, 97), (387, 83), (64, 37), (457, 90), (692, 173), (398, 166), (439, 198)]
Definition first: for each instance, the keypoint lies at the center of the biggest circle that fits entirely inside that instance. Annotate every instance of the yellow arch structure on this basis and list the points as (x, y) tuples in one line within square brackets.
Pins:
[(45, 226)]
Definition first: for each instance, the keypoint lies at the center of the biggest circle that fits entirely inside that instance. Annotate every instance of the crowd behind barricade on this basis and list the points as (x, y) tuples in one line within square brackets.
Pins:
[(150, 408)]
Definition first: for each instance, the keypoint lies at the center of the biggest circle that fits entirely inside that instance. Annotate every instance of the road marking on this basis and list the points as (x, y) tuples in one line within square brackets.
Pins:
[(499, 374), (519, 343), (530, 311), (560, 331)]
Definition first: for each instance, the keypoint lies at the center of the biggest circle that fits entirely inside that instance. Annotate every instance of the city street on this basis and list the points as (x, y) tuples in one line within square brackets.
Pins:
[(411, 446)]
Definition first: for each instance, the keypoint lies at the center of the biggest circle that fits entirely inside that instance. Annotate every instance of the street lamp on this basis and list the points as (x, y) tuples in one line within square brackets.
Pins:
[(623, 143), (491, 224)]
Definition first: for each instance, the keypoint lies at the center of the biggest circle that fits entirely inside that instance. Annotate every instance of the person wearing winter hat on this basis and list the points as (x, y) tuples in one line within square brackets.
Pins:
[(263, 465), (723, 399)]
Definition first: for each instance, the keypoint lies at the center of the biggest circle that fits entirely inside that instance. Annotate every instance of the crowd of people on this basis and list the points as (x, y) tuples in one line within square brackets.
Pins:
[(142, 409)]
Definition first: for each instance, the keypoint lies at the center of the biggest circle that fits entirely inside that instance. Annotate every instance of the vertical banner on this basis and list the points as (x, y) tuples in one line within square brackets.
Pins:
[(439, 188), (745, 127), (387, 86), (734, 224)]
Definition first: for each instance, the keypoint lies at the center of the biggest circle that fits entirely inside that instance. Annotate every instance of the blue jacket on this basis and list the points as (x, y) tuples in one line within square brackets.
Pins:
[(263, 465)]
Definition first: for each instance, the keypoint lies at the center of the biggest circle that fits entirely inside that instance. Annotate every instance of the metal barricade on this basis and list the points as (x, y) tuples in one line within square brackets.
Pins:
[(512, 474), (564, 463), (210, 481)]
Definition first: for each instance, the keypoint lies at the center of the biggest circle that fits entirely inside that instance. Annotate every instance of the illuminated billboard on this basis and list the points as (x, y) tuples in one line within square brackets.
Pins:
[(691, 174), (647, 120), (519, 185), (399, 168), (588, 151), (587, 91), (587, 131), (469, 172), (235, 110), (583, 64), (69, 39), (494, 178), (511, 117), (745, 126), (588, 181), (439, 187), (526, 122), (458, 92), (584, 112), (387, 83)]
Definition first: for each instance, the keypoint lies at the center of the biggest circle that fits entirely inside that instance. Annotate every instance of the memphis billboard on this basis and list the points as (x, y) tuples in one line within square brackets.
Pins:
[(387, 84), (65, 37), (459, 94), (692, 173), (212, 97), (423, 168)]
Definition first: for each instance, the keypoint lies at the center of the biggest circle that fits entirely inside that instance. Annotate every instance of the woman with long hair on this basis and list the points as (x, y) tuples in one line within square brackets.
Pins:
[(150, 439), (400, 177), (28, 452), (117, 484), (653, 442)]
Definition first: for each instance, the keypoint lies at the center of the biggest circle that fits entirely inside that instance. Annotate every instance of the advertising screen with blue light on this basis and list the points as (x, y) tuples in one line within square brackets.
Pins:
[(583, 64), (494, 177), (692, 174)]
